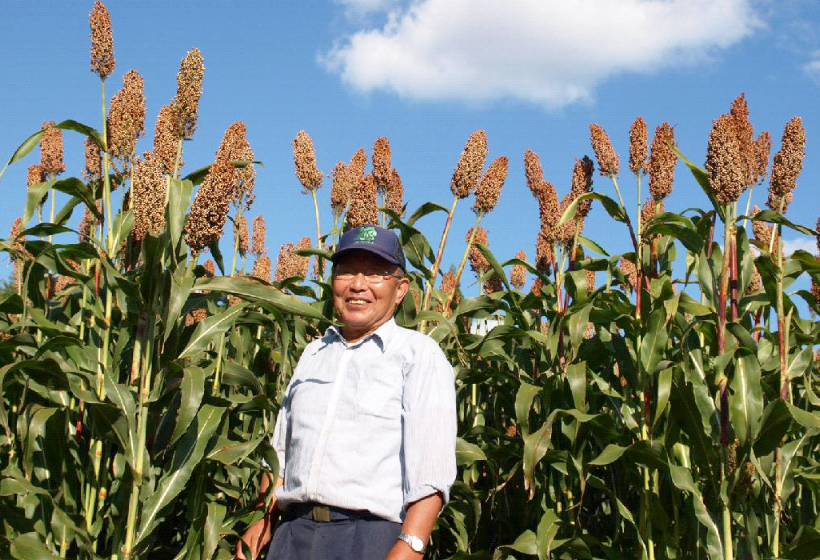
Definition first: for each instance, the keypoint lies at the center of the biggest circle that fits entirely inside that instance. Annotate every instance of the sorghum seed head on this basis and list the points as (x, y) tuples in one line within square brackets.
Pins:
[(259, 233), (303, 262), (470, 164), (86, 226), (240, 229), (195, 316), (357, 165), (189, 90), (630, 273), (489, 188), (763, 148), (590, 274), (102, 41), (17, 244), (549, 210), (724, 161), (235, 147), (544, 257), (210, 266), (478, 262), (304, 158), (533, 172), (364, 204), (648, 213), (51, 149), (448, 287), (210, 207), (493, 284), (381, 163), (763, 231), (817, 234), (148, 196), (608, 161), (662, 160), (289, 264), (518, 274), (395, 194), (566, 233), (93, 161), (35, 175), (815, 288), (756, 284), (739, 111), (165, 139), (261, 268), (339, 188), (787, 165), (126, 117), (582, 183), (638, 146)]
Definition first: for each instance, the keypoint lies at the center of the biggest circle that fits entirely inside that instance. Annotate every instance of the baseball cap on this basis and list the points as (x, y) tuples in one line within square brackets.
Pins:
[(374, 239)]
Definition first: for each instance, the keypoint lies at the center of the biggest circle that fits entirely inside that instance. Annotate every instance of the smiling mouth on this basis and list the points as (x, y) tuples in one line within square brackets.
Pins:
[(356, 301)]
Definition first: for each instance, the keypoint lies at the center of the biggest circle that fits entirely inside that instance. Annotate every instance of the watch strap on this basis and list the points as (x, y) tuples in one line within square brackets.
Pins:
[(411, 540)]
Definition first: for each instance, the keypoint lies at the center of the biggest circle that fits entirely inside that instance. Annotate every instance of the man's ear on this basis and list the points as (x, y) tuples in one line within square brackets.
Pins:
[(402, 289)]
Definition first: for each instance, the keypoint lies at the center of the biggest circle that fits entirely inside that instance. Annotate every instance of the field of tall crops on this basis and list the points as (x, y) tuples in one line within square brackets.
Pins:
[(657, 404)]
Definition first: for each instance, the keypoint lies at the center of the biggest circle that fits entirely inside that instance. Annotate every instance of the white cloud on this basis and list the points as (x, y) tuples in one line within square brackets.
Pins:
[(805, 243), (549, 52), (812, 68)]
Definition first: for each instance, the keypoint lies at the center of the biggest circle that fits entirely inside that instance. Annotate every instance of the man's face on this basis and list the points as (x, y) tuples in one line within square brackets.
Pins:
[(366, 291)]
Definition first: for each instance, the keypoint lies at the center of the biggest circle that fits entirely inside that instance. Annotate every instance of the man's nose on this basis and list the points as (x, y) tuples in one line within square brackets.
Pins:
[(359, 282)]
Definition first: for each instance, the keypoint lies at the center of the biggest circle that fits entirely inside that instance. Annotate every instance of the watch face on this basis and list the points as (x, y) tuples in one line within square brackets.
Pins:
[(416, 544)]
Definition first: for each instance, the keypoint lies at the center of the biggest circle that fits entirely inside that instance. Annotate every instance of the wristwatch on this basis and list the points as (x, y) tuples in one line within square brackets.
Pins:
[(413, 542)]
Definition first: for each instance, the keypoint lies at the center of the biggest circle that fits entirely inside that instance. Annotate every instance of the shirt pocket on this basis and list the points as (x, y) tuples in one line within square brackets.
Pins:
[(378, 390)]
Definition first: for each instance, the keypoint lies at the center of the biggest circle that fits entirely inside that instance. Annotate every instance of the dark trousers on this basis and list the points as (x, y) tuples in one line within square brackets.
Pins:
[(347, 537)]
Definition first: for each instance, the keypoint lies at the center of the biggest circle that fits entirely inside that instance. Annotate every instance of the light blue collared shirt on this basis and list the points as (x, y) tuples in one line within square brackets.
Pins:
[(368, 426)]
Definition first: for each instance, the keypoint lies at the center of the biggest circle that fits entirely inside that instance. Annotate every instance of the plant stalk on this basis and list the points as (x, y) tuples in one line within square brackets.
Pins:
[(428, 288)]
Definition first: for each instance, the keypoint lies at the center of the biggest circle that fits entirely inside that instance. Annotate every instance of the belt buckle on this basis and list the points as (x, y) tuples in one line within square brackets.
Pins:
[(320, 513)]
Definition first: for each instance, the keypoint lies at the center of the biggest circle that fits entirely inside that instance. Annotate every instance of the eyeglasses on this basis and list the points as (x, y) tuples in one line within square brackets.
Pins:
[(372, 277)]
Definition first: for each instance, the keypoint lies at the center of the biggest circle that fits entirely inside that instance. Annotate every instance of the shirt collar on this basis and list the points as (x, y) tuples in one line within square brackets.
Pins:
[(381, 336)]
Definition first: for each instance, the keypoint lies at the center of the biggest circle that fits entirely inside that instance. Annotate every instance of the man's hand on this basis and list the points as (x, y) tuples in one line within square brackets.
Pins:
[(258, 535), (419, 521)]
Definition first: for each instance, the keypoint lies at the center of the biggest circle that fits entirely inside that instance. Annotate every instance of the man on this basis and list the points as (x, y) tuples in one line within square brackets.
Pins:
[(366, 433)]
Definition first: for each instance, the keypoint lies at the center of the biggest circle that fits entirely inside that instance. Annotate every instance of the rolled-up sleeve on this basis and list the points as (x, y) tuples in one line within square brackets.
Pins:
[(280, 433), (429, 442)]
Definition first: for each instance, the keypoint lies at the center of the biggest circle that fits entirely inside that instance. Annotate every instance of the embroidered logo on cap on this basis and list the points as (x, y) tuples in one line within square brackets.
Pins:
[(367, 234)]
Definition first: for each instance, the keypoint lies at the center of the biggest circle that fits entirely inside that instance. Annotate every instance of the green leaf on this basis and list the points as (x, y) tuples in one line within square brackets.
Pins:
[(36, 194), (187, 456), (682, 479), (468, 453), (773, 217), (776, 421), (497, 268), (613, 208), (535, 447), (703, 180), (664, 390), (545, 533), (28, 546), (179, 197), (423, 210), (255, 291), (746, 402), (83, 129), (805, 546), (231, 452), (525, 543), (610, 454), (798, 362), (523, 403), (211, 327), (192, 390), (654, 341), (123, 399), (238, 375), (35, 430), (577, 378), (213, 527)]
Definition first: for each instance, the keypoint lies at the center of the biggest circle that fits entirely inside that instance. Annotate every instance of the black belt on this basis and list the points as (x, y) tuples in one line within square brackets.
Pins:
[(324, 514)]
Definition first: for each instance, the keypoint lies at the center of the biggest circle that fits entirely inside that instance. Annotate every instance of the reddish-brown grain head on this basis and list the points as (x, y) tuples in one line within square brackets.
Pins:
[(638, 146), (148, 196), (102, 41), (381, 163), (518, 274), (787, 165), (259, 234), (364, 204), (126, 117), (236, 149), (189, 90), (662, 161), (395, 194), (209, 210), (489, 188), (51, 149), (93, 161), (165, 139), (304, 159), (608, 161), (468, 170)]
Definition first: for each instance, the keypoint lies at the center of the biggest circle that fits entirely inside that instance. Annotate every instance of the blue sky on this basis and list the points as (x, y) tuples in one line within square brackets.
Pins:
[(426, 73)]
